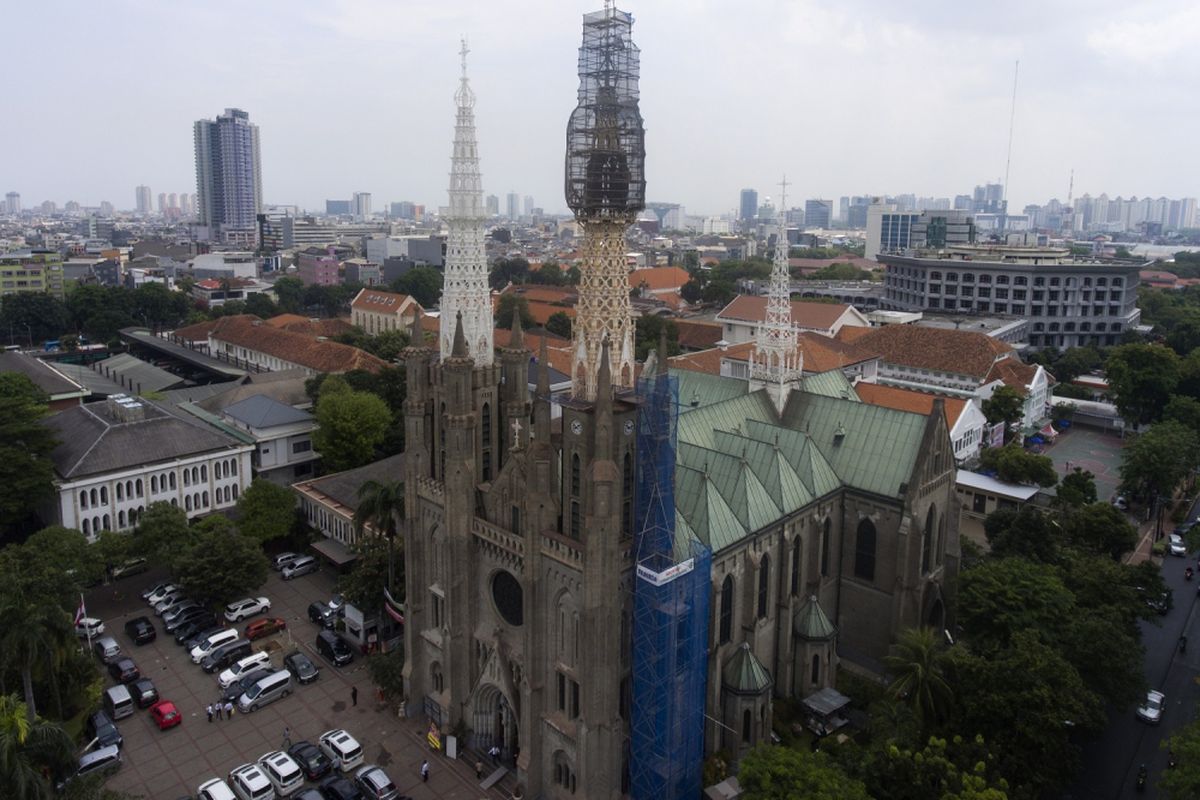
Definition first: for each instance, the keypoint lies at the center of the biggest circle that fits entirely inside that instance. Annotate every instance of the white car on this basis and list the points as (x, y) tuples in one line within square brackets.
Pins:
[(283, 772), (1151, 711), (1178, 546), (158, 588), (161, 593), (249, 783), (342, 749), (240, 609), (175, 598), (88, 626), (216, 789), (282, 560), (243, 667)]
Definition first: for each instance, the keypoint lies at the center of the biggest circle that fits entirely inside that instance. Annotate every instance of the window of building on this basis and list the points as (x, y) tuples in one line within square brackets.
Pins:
[(437, 606), (576, 520), (864, 550), (627, 495), (796, 567), (825, 546), (297, 448), (747, 725), (725, 622), (1039, 281), (764, 582), (952, 276), (576, 474), (816, 669), (1020, 280), (979, 504), (120, 491), (927, 538), (568, 696)]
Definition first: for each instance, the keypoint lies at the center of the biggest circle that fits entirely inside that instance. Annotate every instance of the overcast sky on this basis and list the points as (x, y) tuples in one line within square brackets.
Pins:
[(848, 97)]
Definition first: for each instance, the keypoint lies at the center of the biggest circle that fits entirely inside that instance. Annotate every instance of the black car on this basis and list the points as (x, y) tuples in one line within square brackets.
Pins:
[(312, 761), (103, 730), (144, 693), (321, 614), (141, 630), (301, 667), (239, 687), (124, 670), (201, 624), (335, 787), (309, 794), (196, 612), (224, 655), (201, 635)]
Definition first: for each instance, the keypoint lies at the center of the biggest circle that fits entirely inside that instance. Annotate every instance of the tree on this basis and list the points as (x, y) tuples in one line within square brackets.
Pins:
[(381, 506), (1141, 378), (386, 345), (30, 317), (161, 530), (509, 304), (220, 565), (1005, 405), (350, 425), (781, 773), (1183, 782), (105, 325), (289, 293), (549, 274), (1077, 488), (692, 291), (364, 584), (387, 671), (26, 472), (1003, 597), (839, 272), (559, 324), (1155, 462), (31, 750), (918, 668), (34, 633), (947, 769), (1016, 465), (157, 306), (1184, 410), (261, 305), (508, 270), (266, 511), (648, 331), (1075, 362), (424, 284), (1100, 529)]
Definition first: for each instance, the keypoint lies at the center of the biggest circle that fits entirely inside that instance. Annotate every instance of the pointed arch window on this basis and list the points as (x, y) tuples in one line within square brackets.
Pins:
[(627, 496), (764, 584), (864, 551), (725, 623), (795, 567), (825, 546), (927, 538)]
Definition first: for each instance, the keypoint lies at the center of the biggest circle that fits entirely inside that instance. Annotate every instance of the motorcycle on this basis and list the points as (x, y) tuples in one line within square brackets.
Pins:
[(1187, 574), (1183, 644), (1170, 758), (1141, 779)]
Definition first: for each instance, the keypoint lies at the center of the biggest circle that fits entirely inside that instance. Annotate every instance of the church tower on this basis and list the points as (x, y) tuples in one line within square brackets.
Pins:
[(466, 273), (776, 361), (606, 188)]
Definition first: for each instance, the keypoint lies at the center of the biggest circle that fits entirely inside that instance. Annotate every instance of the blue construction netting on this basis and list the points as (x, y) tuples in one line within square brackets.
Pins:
[(670, 616)]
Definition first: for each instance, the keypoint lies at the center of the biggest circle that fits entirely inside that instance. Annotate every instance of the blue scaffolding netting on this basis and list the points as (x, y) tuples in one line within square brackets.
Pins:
[(670, 616)]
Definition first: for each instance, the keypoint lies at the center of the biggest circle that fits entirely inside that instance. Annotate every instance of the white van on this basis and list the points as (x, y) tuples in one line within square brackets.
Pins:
[(283, 772), (243, 666), (106, 648), (267, 690), (212, 642), (118, 702)]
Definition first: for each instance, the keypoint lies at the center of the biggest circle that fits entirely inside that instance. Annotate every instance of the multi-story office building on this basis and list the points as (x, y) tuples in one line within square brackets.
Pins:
[(493, 205), (528, 206), (12, 202), (748, 207), (143, 200), (891, 231), (337, 207), (185, 205), (888, 229), (405, 209), (228, 172), (818, 213), (162, 203), (286, 232), (1068, 302), (360, 205), (514, 208), (31, 271)]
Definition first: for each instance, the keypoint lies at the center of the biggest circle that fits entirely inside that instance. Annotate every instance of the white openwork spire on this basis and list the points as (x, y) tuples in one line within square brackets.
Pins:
[(777, 361), (466, 273)]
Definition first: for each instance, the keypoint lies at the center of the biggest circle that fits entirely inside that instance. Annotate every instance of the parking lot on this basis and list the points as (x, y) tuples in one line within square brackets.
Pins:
[(173, 763)]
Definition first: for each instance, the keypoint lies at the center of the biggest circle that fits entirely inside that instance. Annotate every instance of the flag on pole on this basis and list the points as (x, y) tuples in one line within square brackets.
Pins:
[(80, 612)]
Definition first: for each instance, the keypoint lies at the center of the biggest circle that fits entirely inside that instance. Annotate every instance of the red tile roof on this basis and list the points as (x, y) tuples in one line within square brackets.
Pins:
[(695, 335), (380, 302), (195, 333), (820, 353), (909, 400), (816, 316), (659, 278), (246, 330), (311, 327), (1014, 372), (957, 352)]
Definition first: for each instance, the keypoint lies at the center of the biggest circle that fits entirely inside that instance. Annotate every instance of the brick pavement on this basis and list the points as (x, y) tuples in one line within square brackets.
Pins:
[(173, 763)]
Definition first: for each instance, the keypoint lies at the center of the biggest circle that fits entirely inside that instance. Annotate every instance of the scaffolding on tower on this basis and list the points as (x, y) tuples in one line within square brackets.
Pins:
[(670, 614)]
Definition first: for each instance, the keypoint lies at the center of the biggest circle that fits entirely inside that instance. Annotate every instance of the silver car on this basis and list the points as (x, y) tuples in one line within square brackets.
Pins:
[(1151, 711)]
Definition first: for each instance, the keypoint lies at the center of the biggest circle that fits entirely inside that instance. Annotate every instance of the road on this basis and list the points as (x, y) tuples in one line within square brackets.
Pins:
[(1110, 764)]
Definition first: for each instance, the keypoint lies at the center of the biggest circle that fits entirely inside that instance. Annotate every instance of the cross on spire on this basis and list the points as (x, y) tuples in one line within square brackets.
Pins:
[(783, 184), (463, 52)]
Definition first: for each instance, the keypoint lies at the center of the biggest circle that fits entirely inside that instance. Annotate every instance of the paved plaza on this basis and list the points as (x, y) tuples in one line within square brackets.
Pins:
[(173, 763), (1095, 451)]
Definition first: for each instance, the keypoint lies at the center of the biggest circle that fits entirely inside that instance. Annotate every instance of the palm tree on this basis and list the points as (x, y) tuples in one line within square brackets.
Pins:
[(34, 632), (918, 665), (381, 506), (30, 751)]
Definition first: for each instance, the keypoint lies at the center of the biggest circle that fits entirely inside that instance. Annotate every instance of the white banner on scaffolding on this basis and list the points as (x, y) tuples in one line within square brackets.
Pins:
[(667, 575)]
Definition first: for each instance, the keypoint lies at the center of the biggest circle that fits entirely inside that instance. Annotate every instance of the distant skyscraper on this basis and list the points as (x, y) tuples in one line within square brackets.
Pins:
[(749, 205), (818, 213), (144, 203), (337, 207), (493, 205), (514, 208), (228, 171), (106, 208), (172, 200), (360, 204), (185, 205), (162, 202), (12, 202), (528, 206)]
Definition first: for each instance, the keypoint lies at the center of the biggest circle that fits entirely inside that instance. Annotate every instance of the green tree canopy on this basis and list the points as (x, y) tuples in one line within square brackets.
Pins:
[(363, 585), (32, 751), (266, 511), (549, 274), (161, 530), (221, 564), (350, 425), (1155, 462), (381, 507), (781, 773), (289, 294), (261, 305), (26, 472), (507, 270), (1100, 529), (1142, 378), (918, 665), (1077, 488), (1184, 410), (1015, 464), (509, 304), (559, 324), (1005, 405), (1002, 597), (648, 330), (1183, 782), (424, 284), (29, 318)]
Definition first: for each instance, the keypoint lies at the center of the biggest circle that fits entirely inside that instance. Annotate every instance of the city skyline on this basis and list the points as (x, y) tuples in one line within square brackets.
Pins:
[(1076, 73)]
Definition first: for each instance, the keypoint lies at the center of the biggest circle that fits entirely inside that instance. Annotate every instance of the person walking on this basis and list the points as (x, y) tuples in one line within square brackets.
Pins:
[(219, 707), (208, 710), (287, 738), (353, 695), (424, 772), (478, 770), (228, 710)]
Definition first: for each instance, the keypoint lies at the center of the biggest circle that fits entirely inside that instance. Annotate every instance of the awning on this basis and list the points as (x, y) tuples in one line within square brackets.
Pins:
[(335, 551), (826, 702), (1049, 431)]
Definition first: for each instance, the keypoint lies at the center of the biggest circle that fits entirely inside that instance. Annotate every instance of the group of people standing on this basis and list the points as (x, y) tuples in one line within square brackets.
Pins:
[(219, 710)]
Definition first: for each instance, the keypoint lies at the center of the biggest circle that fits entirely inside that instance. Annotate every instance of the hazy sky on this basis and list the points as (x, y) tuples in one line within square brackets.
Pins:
[(848, 97)]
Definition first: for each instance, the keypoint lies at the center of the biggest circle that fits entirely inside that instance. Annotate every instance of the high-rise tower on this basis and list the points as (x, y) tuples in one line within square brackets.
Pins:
[(465, 290), (776, 360), (228, 171), (606, 188)]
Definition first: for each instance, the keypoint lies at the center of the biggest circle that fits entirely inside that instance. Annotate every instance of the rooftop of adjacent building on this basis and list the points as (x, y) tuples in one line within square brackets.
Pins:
[(997, 255)]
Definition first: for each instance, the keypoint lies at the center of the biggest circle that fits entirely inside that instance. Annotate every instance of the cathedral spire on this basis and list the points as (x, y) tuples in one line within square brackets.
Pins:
[(776, 361), (466, 289)]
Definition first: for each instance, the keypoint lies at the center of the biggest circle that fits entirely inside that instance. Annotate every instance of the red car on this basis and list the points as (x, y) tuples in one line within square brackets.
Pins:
[(264, 627), (165, 715)]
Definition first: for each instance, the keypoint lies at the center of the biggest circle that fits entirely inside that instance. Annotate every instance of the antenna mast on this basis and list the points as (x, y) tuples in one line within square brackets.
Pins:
[(1012, 115)]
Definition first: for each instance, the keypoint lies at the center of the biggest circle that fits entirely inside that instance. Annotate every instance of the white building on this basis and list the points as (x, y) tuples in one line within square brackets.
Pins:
[(743, 315), (282, 437), (375, 311), (119, 456)]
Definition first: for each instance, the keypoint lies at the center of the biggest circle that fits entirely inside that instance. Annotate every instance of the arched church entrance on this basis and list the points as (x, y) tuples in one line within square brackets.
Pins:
[(495, 723), (935, 608)]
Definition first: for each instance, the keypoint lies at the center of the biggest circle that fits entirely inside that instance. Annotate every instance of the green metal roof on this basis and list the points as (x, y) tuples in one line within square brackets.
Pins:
[(743, 673), (830, 384), (698, 389), (811, 623), (697, 426), (869, 447)]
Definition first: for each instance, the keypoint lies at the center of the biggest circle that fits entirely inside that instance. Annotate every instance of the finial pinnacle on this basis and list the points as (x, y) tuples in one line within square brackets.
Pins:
[(463, 52), (783, 194)]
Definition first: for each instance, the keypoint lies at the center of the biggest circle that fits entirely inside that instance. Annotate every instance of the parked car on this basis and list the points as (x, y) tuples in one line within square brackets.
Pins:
[(337, 787), (282, 560), (224, 655), (168, 604), (201, 615), (240, 609), (242, 684), (101, 729), (1177, 546), (1121, 502), (343, 750), (199, 632), (282, 771), (133, 566), (250, 783), (211, 642), (311, 759), (144, 693), (102, 761), (301, 667), (173, 618), (375, 784), (106, 648), (215, 789), (88, 627), (334, 648), (301, 566), (141, 630), (309, 794), (123, 670), (1152, 709), (157, 593), (264, 627), (243, 665), (321, 614), (165, 715)]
